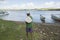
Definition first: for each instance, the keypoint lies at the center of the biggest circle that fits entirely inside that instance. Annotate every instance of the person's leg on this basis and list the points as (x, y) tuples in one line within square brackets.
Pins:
[(27, 33), (31, 33)]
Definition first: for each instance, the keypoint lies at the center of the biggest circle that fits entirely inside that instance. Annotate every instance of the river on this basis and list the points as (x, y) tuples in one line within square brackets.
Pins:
[(21, 15)]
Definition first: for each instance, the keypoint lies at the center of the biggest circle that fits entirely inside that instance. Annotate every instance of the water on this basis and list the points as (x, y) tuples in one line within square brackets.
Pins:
[(21, 15)]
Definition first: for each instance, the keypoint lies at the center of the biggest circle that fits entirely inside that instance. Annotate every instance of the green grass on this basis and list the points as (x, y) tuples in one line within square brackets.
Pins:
[(12, 31), (16, 31), (9, 30)]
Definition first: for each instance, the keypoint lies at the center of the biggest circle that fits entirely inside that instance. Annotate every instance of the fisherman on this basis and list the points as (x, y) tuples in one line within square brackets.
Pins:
[(28, 21), (42, 18)]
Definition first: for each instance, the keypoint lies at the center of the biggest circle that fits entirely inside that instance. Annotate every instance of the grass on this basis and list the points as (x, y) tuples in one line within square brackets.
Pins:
[(9, 30), (16, 31), (12, 31)]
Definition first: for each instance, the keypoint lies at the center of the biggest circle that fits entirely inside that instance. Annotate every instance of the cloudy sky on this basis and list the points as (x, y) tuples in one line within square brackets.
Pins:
[(29, 4)]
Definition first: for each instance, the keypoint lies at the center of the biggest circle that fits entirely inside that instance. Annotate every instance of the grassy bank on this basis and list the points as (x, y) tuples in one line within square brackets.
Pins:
[(16, 31)]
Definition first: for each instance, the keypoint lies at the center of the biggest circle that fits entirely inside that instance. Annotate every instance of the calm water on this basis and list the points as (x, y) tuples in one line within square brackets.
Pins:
[(21, 15)]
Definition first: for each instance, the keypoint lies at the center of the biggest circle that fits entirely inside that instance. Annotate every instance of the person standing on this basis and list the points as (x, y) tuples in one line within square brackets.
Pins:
[(28, 22)]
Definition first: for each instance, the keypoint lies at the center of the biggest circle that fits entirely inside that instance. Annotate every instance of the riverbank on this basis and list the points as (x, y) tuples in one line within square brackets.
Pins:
[(11, 30)]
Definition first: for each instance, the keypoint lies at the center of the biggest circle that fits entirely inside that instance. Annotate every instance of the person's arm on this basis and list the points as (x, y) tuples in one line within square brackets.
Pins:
[(25, 20)]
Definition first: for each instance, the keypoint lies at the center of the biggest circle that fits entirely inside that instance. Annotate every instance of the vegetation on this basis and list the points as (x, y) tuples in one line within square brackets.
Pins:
[(48, 9), (40, 9), (16, 31)]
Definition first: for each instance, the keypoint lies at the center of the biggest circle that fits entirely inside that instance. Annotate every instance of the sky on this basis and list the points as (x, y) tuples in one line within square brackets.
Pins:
[(29, 4)]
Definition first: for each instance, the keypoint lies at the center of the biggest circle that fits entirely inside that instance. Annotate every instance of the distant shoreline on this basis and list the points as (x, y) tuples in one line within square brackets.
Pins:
[(42, 9), (22, 22)]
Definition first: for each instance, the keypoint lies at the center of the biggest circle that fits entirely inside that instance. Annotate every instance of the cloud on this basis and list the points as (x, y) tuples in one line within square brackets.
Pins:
[(28, 6), (3, 1), (32, 5), (50, 5), (22, 6)]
